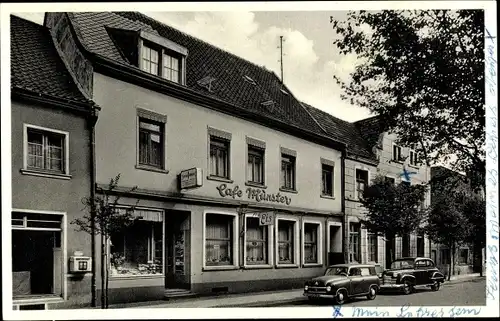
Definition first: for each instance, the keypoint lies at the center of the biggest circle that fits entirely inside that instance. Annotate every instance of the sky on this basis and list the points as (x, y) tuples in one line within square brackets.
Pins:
[(310, 59)]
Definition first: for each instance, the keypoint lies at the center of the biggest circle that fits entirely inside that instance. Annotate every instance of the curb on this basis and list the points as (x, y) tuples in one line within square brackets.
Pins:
[(262, 304)]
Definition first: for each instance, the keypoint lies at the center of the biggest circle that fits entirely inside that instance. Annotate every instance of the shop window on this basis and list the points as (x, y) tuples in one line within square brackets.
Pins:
[(219, 240), (354, 231), (138, 250), (286, 238), (311, 242), (372, 247), (256, 237)]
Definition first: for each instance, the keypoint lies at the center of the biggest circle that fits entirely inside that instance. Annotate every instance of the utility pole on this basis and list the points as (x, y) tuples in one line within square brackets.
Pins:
[(281, 57)]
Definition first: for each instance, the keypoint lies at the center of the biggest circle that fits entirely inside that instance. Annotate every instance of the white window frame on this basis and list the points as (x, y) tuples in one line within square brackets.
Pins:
[(296, 243), (410, 152), (128, 276), (64, 247), (362, 168), (391, 176), (400, 153), (35, 172), (270, 242), (263, 167), (328, 236), (320, 242), (332, 165), (235, 243), (358, 247), (368, 247), (166, 45)]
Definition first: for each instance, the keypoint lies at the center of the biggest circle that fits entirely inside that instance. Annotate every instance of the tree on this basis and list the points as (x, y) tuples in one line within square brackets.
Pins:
[(393, 210), (447, 222), (108, 220), (422, 73), (475, 209)]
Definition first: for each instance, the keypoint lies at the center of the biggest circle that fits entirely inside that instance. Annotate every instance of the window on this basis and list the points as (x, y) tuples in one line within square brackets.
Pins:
[(445, 256), (361, 181), (256, 242), (138, 250), (171, 68), (434, 256), (219, 157), (365, 271), (463, 257), (413, 158), (406, 245), (287, 172), (150, 60), (372, 247), (286, 239), (354, 272), (219, 239), (390, 180), (406, 183), (429, 263), (396, 153), (151, 143), (420, 246), (255, 169), (46, 150), (354, 229), (327, 180), (311, 243)]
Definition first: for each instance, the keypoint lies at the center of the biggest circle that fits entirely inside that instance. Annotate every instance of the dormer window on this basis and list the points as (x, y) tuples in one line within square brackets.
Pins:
[(162, 57), (150, 60), (171, 68)]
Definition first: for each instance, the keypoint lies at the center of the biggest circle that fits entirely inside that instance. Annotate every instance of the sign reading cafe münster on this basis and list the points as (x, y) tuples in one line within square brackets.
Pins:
[(256, 194)]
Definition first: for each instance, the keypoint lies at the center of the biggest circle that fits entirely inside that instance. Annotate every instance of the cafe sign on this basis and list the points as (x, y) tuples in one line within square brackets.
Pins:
[(255, 194), (191, 178)]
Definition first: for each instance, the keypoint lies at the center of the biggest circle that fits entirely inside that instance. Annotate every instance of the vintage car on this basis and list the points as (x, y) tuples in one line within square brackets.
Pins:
[(343, 281), (407, 273)]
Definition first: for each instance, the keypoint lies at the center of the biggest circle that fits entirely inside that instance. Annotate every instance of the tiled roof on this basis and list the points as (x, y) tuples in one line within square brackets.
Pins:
[(36, 65), (203, 60), (370, 129), (343, 131)]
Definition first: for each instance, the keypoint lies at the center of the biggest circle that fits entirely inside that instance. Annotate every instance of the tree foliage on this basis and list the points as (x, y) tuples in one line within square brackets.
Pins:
[(422, 72), (393, 210)]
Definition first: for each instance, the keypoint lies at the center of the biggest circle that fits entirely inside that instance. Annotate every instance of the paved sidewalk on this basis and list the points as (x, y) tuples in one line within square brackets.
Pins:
[(235, 300)]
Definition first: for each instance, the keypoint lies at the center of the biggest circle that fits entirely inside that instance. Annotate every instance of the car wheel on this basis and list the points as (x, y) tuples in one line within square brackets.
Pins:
[(435, 286), (373, 293), (340, 298), (408, 288)]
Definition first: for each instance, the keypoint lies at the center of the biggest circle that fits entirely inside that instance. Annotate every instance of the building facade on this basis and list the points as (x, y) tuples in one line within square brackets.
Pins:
[(51, 172), (238, 187)]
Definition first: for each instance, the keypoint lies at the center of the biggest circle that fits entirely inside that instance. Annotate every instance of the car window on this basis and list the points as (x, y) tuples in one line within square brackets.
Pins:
[(420, 264), (336, 270), (354, 272), (430, 263), (365, 271)]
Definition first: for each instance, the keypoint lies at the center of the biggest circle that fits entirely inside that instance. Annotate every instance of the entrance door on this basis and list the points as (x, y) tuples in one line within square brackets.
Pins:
[(177, 234)]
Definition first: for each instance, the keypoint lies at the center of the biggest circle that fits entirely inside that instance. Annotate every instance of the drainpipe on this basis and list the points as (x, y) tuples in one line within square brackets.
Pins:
[(92, 121), (345, 245)]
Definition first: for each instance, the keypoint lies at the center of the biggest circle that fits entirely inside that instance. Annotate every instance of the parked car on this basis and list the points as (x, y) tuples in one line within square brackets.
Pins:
[(407, 273), (343, 281)]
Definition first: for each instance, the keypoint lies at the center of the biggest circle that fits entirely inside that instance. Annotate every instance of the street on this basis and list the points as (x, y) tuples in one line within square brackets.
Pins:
[(469, 293)]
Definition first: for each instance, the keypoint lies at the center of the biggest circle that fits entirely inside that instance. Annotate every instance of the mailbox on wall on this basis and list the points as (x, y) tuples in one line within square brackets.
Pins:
[(80, 264)]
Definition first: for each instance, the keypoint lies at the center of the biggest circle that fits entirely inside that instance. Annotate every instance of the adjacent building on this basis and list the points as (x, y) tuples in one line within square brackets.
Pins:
[(51, 172)]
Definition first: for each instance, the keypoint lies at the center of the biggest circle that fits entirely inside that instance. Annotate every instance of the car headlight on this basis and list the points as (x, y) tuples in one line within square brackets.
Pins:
[(328, 288), (395, 276), (306, 288)]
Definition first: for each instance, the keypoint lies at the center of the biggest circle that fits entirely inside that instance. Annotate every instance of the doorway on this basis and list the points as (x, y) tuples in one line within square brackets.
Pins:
[(335, 254), (177, 250)]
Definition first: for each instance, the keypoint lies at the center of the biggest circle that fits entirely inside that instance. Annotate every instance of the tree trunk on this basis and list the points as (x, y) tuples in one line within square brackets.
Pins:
[(450, 265), (103, 258), (107, 272)]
